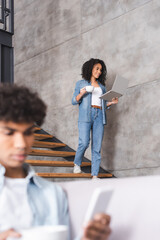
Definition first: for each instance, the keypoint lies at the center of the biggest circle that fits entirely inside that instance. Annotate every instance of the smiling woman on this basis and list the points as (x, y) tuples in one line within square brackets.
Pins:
[(92, 116)]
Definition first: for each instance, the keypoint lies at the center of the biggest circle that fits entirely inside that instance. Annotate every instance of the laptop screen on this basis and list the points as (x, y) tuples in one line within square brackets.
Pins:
[(120, 84)]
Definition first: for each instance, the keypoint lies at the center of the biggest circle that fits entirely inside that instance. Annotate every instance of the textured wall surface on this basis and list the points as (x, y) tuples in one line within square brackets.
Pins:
[(52, 40)]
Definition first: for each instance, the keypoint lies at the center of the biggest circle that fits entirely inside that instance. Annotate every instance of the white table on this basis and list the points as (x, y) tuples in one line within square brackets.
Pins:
[(134, 206)]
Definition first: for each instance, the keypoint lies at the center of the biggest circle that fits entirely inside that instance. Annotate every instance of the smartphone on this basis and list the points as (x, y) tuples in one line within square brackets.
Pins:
[(98, 203)]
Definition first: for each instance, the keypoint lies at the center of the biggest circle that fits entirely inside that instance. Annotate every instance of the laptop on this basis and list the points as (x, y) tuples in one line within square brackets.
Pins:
[(118, 89)]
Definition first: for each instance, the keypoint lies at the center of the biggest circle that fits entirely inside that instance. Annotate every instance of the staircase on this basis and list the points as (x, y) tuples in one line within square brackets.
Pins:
[(60, 157)]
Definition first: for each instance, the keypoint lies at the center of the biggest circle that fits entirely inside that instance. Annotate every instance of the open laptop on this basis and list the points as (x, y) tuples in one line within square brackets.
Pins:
[(118, 89)]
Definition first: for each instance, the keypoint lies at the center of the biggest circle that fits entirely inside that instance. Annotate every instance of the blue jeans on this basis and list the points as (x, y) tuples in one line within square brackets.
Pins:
[(97, 129)]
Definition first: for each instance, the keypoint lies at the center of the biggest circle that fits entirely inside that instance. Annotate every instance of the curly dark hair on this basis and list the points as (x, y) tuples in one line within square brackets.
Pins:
[(19, 104), (87, 70)]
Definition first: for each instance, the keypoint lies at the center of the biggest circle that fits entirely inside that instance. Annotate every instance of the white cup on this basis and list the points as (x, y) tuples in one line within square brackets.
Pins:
[(89, 88), (59, 232)]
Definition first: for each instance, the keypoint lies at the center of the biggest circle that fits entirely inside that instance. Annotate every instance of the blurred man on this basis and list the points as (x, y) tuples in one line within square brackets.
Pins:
[(27, 200)]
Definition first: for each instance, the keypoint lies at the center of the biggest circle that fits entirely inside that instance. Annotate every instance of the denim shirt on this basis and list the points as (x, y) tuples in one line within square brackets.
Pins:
[(47, 200), (85, 102)]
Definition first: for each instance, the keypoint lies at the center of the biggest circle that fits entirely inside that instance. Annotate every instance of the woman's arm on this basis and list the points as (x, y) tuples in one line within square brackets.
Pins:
[(76, 100), (80, 95)]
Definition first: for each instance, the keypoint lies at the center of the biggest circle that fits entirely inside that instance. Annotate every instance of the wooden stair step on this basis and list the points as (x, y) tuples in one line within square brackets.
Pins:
[(40, 144), (42, 136), (50, 153), (73, 175), (55, 163), (37, 128)]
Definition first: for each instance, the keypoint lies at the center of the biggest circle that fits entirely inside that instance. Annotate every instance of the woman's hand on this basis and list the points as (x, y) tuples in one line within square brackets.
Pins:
[(83, 91), (9, 233), (114, 101), (98, 228), (80, 95)]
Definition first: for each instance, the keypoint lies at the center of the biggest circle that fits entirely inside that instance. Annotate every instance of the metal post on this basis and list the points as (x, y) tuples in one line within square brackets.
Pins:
[(11, 17), (12, 65)]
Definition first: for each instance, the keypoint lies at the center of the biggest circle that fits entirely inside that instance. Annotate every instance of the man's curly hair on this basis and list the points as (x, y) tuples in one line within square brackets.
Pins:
[(87, 70), (19, 104)]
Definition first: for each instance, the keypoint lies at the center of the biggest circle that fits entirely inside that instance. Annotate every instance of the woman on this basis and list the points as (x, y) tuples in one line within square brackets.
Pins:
[(91, 112)]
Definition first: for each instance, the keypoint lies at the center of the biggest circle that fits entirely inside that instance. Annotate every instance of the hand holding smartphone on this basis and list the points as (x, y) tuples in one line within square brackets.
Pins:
[(98, 203)]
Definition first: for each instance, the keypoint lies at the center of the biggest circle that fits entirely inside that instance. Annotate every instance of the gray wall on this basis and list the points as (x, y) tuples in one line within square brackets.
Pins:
[(52, 40)]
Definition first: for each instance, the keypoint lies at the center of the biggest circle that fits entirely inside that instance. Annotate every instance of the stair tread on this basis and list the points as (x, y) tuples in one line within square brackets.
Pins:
[(37, 128), (39, 136), (51, 153), (72, 175), (48, 144), (55, 163)]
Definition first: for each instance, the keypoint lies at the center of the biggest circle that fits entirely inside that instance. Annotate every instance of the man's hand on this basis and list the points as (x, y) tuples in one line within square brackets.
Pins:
[(9, 233), (98, 228)]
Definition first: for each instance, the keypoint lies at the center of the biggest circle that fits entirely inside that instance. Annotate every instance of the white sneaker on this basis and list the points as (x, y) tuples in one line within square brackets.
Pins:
[(76, 169)]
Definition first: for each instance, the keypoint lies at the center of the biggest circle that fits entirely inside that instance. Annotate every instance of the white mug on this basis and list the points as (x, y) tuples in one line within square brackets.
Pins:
[(59, 232), (89, 88)]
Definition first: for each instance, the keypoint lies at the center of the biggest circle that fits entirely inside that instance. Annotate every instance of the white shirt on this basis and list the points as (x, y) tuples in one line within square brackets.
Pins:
[(96, 94), (15, 211)]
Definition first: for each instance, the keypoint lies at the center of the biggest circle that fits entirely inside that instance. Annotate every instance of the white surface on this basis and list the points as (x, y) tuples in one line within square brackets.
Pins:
[(134, 206), (45, 233)]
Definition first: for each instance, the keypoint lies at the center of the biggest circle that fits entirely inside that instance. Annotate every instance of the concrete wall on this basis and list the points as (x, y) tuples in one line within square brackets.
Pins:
[(52, 40)]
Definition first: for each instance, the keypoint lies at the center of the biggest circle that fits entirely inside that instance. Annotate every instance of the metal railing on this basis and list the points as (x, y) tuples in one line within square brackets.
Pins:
[(7, 15)]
